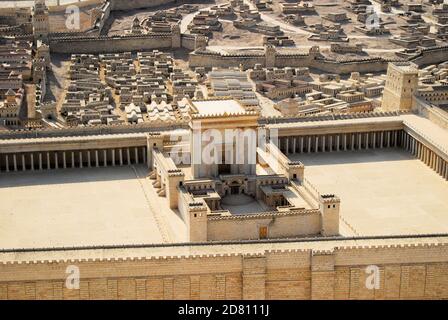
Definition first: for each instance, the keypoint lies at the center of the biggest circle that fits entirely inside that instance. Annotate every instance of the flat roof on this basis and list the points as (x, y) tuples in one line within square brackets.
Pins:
[(212, 107), (84, 207), (382, 191)]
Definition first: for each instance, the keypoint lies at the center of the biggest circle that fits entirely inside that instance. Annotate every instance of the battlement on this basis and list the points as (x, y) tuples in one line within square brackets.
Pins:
[(329, 198), (270, 214), (147, 252)]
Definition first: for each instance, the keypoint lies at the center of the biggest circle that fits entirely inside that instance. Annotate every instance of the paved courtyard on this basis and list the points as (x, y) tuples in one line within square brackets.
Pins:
[(382, 192), (84, 207)]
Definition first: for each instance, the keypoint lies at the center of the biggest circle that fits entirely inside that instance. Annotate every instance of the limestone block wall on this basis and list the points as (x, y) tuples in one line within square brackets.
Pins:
[(138, 4), (431, 112), (287, 225), (210, 59), (111, 44), (409, 269), (432, 55), (188, 41)]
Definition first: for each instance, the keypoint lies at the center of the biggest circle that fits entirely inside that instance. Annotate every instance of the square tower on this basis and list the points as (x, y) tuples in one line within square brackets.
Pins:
[(41, 20), (401, 85)]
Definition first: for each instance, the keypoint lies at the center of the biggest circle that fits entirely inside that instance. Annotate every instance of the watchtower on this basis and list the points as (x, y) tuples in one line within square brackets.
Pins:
[(41, 20), (401, 84), (270, 56), (329, 208)]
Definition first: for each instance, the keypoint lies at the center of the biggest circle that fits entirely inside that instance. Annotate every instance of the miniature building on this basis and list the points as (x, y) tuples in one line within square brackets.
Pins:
[(41, 22), (279, 89), (336, 17), (401, 85), (231, 83)]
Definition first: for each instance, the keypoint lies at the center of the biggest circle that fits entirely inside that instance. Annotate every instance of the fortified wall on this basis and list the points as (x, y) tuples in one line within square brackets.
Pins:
[(139, 4), (312, 59), (95, 45), (405, 268)]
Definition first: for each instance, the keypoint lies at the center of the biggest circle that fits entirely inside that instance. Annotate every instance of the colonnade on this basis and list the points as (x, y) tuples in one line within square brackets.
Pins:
[(426, 155), (46, 160), (364, 141), (341, 141)]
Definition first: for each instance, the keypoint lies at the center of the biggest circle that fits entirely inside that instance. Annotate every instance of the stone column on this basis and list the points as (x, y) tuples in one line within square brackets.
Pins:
[(56, 160), (381, 139), (359, 141), (40, 161), (89, 163), (23, 162), (7, 162), (445, 174), (287, 145), (64, 159), (97, 160), (14, 159), (120, 154), (301, 144), (374, 140), (323, 143), (80, 159), (136, 155), (32, 161), (330, 143), (367, 140), (337, 142), (344, 141), (128, 154), (144, 155), (309, 144), (73, 159), (113, 157), (48, 161), (317, 144), (105, 158), (294, 142)]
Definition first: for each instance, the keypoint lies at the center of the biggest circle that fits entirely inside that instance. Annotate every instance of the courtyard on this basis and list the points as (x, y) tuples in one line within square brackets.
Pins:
[(84, 207), (383, 192)]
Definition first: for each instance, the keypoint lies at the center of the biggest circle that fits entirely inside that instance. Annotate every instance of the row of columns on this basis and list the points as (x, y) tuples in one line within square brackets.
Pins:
[(341, 142), (426, 155), (72, 159)]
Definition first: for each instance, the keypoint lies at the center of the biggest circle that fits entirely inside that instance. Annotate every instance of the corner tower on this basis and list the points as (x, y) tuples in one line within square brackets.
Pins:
[(401, 85)]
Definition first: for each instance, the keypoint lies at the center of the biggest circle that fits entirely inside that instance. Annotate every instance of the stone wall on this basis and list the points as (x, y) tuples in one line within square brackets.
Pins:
[(138, 4), (201, 58), (431, 112), (95, 45), (288, 225), (431, 55), (411, 269), (188, 41)]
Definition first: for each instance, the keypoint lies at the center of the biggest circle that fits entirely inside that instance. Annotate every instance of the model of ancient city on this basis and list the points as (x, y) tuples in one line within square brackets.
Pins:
[(224, 149)]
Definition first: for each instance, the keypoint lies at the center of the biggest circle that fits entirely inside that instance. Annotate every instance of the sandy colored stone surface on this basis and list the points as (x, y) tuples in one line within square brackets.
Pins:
[(83, 207), (382, 192)]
